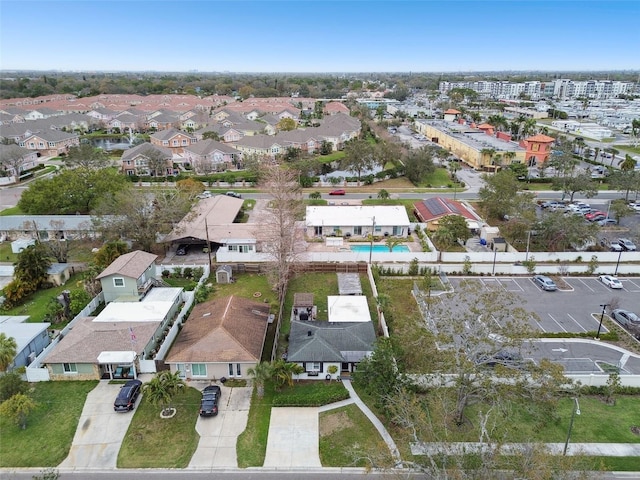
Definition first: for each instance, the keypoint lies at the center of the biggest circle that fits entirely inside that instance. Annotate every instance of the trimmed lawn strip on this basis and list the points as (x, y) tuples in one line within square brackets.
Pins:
[(154, 442), (347, 437), (50, 427)]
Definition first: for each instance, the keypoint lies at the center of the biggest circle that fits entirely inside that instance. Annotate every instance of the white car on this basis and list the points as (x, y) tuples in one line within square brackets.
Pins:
[(610, 281), (635, 206)]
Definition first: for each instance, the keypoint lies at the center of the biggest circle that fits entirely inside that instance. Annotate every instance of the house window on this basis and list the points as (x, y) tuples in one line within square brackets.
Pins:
[(41, 144), (238, 370), (184, 141), (199, 369), (52, 144), (317, 230), (70, 368), (231, 369), (118, 282), (313, 367), (378, 228), (357, 230)]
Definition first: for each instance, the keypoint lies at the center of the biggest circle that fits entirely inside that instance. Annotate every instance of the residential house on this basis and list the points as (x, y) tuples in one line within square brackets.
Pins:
[(146, 159), (221, 338), (263, 146), (163, 122), (113, 343), (102, 115), (129, 277), (14, 161), (318, 345), (357, 221), (209, 156), (173, 139), (47, 227), (40, 113), (50, 143), (430, 211), (31, 338), (125, 122), (332, 108), (225, 134)]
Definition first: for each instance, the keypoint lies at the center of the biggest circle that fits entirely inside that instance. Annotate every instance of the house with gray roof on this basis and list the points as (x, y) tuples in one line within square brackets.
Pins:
[(141, 160), (31, 338), (51, 143), (47, 227), (317, 345), (14, 160), (173, 139), (210, 156)]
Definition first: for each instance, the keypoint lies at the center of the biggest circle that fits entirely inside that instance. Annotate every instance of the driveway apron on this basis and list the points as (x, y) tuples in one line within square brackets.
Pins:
[(293, 438), (219, 434), (100, 430)]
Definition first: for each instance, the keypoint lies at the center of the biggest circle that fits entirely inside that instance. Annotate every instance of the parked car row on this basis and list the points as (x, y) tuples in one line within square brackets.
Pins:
[(129, 392)]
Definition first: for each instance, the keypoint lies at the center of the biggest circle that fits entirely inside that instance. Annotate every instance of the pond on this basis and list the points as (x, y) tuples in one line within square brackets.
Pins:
[(110, 143)]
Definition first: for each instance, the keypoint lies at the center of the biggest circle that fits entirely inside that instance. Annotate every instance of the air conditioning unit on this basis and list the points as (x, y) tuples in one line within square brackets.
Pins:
[(31, 358)]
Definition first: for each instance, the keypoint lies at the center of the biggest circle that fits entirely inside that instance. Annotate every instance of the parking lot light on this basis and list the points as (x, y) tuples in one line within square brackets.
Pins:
[(604, 307)]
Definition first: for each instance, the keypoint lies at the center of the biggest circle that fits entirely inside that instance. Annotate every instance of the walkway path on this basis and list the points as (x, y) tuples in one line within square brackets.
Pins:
[(593, 449), (376, 423)]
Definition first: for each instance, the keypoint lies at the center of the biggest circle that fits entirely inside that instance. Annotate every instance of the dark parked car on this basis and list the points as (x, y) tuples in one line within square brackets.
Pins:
[(233, 194), (127, 396), (209, 402), (182, 250)]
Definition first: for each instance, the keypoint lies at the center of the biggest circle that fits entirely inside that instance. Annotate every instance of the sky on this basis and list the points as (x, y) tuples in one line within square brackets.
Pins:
[(319, 36)]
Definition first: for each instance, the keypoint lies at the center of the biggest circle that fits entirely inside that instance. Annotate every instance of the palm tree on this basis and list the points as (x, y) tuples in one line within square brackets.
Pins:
[(283, 372), (625, 165), (613, 153), (262, 372), (392, 242), (499, 122), (8, 351), (383, 194), (161, 389), (486, 152)]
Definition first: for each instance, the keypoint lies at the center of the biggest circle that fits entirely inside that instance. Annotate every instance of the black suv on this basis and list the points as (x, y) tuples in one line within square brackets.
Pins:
[(210, 400), (127, 396)]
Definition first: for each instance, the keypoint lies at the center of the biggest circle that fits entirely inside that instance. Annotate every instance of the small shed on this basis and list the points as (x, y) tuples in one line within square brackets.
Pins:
[(349, 284), (499, 244), (303, 308), (224, 274), (59, 273), (19, 245)]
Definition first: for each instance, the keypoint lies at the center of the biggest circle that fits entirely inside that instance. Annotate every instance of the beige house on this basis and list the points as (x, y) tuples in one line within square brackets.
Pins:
[(221, 338)]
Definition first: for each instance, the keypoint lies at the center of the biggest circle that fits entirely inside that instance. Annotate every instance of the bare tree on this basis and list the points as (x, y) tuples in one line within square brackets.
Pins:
[(278, 226), (12, 159)]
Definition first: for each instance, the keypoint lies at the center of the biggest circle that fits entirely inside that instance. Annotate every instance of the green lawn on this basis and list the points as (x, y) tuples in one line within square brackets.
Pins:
[(36, 305), (332, 157), (11, 211), (50, 428), (347, 437), (439, 178), (252, 443), (152, 441)]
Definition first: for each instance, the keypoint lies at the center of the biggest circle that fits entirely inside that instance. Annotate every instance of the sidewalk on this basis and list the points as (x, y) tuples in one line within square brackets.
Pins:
[(590, 449)]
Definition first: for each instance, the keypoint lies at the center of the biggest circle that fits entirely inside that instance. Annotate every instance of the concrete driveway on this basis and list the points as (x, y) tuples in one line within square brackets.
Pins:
[(293, 438), (100, 430), (219, 434)]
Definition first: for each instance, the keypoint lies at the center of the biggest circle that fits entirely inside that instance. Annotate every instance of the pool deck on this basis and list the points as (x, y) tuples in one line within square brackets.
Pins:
[(410, 242)]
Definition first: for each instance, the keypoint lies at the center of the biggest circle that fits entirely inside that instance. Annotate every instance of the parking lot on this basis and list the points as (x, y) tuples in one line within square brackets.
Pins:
[(572, 309)]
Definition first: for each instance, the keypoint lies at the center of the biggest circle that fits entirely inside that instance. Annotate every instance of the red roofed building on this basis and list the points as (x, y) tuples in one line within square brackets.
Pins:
[(431, 210), (451, 115), (538, 149), (332, 108)]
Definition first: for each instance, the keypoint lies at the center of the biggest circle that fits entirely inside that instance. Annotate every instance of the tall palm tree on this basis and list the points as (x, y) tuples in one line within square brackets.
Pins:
[(625, 165), (8, 350), (499, 122), (486, 152), (613, 153), (262, 372)]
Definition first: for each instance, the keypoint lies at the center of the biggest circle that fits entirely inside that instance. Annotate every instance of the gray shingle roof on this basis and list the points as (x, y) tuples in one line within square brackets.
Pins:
[(204, 147), (330, 342), (144, 149)]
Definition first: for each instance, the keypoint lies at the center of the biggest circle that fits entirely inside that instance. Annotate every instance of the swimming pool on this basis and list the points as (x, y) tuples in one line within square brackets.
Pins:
[(379, 248)]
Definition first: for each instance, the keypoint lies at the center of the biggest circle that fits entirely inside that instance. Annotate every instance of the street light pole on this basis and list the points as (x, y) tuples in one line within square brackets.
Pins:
[(604, 306), (495, 252), (526, 257), (576, 411), (373, 229), (618, 263)]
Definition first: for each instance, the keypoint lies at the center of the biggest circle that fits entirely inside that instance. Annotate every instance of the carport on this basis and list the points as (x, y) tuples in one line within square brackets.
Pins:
[(118, 359)]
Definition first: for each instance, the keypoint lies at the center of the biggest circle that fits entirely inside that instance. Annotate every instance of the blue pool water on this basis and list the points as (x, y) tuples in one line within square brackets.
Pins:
[(379, 248)]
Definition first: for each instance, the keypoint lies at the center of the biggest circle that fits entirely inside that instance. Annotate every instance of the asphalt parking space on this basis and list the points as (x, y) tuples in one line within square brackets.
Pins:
[(574, 310)]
